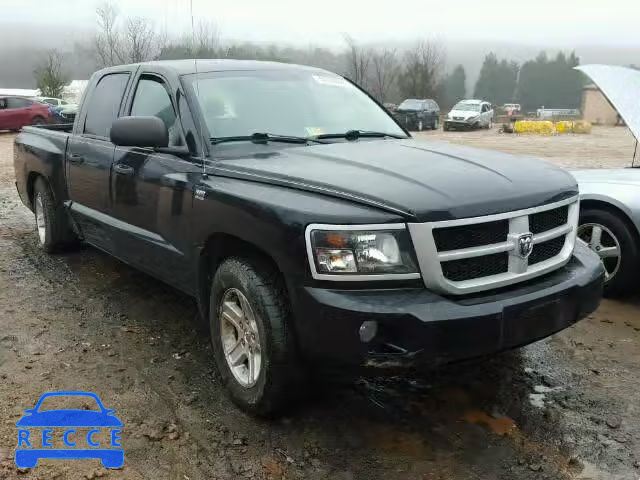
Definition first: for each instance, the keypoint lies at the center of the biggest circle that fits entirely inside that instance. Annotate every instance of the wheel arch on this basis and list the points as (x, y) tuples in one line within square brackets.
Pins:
[(614, 209), (216, 248)]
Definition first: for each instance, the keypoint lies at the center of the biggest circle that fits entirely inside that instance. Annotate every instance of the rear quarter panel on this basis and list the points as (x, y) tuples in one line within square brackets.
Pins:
[(39, 151)]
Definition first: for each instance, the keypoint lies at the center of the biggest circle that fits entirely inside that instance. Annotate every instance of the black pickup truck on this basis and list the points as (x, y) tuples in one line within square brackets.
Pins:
[(308, 225)]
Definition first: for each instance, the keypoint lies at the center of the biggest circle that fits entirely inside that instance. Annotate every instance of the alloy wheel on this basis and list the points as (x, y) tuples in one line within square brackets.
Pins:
[(240, 337), (603, 242)]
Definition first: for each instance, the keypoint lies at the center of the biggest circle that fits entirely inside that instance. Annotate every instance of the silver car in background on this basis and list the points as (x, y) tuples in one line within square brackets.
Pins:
[(469, 114), (610, 199)]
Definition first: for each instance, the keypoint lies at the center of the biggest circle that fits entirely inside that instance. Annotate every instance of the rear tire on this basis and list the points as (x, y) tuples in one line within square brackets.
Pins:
[(613, 231), (257, 288), (38, 121), (52, 222)]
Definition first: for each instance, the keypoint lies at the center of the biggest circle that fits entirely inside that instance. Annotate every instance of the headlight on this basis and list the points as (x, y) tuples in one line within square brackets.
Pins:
[(353, 250)]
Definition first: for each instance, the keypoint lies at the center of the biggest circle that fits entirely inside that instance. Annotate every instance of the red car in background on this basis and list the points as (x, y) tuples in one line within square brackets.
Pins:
[(16, 112)]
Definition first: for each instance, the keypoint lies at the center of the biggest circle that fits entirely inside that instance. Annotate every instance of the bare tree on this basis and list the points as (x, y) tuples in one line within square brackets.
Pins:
[(107, 42), (50, 77), (139, 39), (385, 72), (422, 68), (133, 40), (207, 36), (359, 59)]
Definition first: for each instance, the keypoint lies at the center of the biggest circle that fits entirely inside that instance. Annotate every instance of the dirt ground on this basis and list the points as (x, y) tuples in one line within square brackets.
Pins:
[(567, 407)]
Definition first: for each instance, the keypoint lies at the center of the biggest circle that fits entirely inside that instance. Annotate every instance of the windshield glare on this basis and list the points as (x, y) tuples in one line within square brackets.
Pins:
[(469, 107), (285, 102), (411, 105)]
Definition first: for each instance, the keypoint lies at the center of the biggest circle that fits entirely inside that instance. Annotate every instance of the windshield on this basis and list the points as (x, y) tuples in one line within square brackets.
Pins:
[(285, 102), (411, 105), (465, 106)]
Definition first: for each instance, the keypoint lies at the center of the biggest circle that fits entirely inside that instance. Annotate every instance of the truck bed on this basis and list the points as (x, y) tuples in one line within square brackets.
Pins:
[(41, 149)]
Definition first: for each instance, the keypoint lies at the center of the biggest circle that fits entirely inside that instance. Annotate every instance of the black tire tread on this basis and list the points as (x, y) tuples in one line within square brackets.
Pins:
[(59, 233), (281, 348)]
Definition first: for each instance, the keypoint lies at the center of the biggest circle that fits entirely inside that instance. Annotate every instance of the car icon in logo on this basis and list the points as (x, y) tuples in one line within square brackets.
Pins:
[(35, 432)]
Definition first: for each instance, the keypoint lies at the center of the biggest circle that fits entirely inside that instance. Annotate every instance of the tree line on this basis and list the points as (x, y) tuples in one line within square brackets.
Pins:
[(389, 74)]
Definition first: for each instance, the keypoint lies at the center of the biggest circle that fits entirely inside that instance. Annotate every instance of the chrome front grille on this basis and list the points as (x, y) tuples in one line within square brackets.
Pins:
[(474, 254)]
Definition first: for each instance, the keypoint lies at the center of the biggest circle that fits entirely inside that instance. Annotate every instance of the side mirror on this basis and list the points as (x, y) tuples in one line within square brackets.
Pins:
[(139, 132)]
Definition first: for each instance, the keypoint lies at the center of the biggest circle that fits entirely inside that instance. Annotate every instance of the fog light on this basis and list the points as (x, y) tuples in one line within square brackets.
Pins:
[(368, 330)]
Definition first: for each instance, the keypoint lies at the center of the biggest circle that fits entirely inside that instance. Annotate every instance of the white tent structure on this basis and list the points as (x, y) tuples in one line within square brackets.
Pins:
[(72, 92), (19, 92)]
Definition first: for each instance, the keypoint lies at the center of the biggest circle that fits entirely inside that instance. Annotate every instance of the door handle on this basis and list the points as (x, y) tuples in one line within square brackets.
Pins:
[(123, 169), (75, 158)]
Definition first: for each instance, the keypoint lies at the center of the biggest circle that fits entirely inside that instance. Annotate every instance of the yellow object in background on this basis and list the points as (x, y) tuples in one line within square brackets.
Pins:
[(544, 127), (540, 127), (581, 126), (564, 126)]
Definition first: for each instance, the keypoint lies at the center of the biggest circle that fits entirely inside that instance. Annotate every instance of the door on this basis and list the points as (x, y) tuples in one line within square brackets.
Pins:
[(485, 116), (151, 194), (89, 159), (4, 115), (17, 112)]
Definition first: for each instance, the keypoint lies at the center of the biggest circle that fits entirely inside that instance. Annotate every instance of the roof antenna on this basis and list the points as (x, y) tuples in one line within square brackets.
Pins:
[(635, 150), (197, 82)]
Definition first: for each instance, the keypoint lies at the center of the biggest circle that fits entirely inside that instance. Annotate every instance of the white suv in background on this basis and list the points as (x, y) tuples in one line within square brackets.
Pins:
[(469, 114)]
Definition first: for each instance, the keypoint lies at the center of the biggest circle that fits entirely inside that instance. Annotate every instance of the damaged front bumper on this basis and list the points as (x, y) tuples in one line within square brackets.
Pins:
[(417, 327)]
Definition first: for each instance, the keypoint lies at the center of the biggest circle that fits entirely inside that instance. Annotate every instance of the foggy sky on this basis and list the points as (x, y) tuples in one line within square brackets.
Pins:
[(547, 23)]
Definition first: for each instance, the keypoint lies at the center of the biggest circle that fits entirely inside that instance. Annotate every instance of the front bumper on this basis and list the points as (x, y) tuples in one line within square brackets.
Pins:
[(416, 326), (461, 123)]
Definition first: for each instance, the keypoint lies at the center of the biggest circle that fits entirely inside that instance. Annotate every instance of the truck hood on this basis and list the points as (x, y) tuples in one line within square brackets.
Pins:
[(621, 176), (421, 181), (621, 86)]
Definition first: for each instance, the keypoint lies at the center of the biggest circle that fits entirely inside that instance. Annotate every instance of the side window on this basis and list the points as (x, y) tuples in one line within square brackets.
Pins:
[(3, 103), (484, 108), (15, 102), (152, 99), (104, 104)]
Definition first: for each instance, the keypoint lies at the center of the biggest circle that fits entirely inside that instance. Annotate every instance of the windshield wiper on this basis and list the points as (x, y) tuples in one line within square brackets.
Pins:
[(356, 134), (260, 137)]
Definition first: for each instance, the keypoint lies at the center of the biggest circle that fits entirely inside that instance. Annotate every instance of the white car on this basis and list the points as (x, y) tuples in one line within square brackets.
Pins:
[(469, 114), (54, 102)]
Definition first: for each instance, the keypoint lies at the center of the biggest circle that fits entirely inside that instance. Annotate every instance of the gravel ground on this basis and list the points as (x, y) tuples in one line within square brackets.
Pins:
[(563, 408), (605, 147)]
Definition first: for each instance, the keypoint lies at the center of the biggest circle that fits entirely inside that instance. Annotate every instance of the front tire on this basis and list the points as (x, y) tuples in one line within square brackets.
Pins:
[(52, 223), (253, 345), (609, 236)]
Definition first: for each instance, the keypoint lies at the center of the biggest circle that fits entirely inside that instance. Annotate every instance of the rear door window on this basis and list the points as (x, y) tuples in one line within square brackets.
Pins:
[(104, 104), (18, 102)]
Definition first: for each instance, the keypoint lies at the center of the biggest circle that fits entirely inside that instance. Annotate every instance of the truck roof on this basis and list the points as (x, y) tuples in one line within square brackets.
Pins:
[(188, 66)]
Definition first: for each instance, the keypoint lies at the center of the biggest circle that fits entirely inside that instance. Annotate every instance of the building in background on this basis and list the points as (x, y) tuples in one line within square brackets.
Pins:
[(596, 108)]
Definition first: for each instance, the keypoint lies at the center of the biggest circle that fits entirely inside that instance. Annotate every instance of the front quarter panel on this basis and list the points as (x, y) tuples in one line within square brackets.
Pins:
[(625, 197), (273, 218)]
